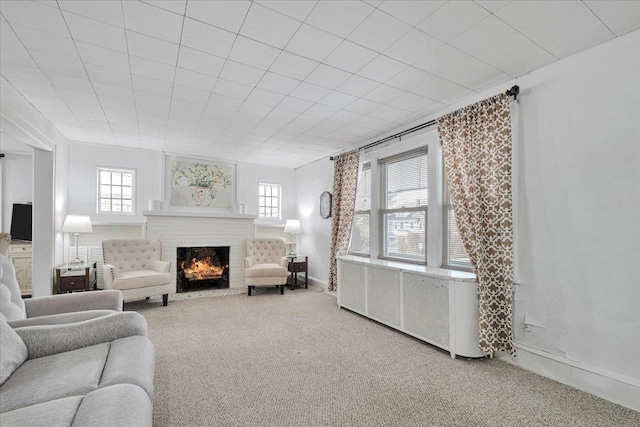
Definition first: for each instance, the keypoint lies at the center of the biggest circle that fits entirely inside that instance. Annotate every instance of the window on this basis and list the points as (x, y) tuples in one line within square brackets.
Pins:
[(404, 206), (454, 254), (362, 215), (269, 200), (115, 191)]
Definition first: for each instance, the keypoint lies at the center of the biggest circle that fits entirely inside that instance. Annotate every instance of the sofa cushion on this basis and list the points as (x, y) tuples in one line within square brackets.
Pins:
[(131, 360), (52, 377), (13, 352), (266, 270), (11, 304), (140, 279), (54, 413), (60, 319), (118, 405)]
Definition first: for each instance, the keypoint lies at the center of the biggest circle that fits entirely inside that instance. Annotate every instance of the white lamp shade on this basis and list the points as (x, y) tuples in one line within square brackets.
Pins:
[(77, 224), (292, 226)]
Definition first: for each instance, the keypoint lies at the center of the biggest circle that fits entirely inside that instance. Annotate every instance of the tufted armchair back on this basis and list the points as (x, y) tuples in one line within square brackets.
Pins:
[(11, 304), (266, 250), (131, 254)]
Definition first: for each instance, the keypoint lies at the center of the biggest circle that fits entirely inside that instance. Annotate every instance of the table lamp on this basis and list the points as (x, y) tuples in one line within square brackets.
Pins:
[(292, 226), (77, 224)]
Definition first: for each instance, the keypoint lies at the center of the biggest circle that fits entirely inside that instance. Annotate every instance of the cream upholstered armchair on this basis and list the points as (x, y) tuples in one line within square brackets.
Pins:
[(265, 264), (134, 267)]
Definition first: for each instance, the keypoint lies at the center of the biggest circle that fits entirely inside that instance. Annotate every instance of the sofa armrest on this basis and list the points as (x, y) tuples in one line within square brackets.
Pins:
[(111, 273), (161, 266), (51, 339), (68, 303), (248, 262), (284, 262)]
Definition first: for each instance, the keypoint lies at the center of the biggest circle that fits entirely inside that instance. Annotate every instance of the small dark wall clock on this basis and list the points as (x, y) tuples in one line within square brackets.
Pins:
[(325, 204)]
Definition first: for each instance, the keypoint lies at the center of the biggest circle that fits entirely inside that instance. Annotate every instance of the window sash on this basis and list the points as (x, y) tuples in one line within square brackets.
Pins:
[(115, 191), (269, 200), (454, 255)]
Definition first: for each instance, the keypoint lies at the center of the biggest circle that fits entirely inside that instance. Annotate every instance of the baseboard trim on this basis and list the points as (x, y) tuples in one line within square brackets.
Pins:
[(608, 385), (318, 283)]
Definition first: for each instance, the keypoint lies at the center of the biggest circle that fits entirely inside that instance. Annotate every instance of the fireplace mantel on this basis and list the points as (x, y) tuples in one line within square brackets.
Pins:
[(198, 214)]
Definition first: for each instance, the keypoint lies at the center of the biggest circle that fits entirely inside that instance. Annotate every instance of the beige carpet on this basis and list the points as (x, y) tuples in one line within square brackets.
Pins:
[(297, 360)]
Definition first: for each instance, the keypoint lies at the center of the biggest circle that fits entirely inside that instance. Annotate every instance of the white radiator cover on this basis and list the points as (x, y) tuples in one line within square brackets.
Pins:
[(434, 305), (189, 229)]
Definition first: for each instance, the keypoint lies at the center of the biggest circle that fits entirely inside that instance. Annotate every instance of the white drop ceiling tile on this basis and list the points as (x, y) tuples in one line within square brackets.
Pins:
[(350, 56), (358, 86), (621, 16), (375, 123), (59, 65), (277, 83), (102, 57), (224, 101), (309, 92), (345, 116), (15, 54), (201, 62), (412, 46), (295, 105), (76, 95), (107, 11), (338, 99), (580, 40), (268, 26), (155, 70), (108, 76), (253, 53), (516, 55), (217, 113), (187, 110), (96, 33), (379, 31), (561, 24), (339, 17), (82, 101), (493, 5), (157, 87), (441, 90), (34, 15), (241, 73), (483, 36), (152, 21), (223, 14), (152, 48), (362, 106), (107, 92), (23, 72), (524, 13), (207, 38), (410, 11), (265, 97), (232, 89), (176, 6), (313, 43), (382, 68), (384, 94), (293, 66), (298, 9), (42, 88), (387, 112), (319, 110), (7, 36), (327, 76), (194, 80), (77, 83), (40, 41), (351, 129), (452, 19), (253, 108)]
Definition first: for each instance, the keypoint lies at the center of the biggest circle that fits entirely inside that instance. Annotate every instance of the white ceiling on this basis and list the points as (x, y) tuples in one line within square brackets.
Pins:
[(280, 83)]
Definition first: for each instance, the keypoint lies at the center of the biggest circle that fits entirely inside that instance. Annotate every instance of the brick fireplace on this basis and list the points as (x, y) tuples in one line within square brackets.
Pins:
[(198, 230)]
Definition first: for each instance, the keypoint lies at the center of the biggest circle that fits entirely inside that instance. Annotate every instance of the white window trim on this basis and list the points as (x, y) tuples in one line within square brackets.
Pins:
[(133, 190), (270, 218), (368, 212)]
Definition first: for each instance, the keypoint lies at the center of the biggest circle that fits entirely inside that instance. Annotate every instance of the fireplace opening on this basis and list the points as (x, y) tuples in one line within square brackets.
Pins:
[(202, 268)]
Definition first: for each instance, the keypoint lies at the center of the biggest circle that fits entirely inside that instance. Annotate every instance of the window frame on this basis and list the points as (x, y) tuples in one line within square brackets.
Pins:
[(383, 210), (99, 197), (366, 166), (279, 200), (447, 209)]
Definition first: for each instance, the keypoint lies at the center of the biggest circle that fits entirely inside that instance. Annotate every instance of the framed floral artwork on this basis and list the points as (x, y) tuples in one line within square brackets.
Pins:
[(199, 183)]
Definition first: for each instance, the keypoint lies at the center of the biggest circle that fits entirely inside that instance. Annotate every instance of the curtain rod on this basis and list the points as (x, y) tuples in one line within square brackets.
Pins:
[(514, 91)]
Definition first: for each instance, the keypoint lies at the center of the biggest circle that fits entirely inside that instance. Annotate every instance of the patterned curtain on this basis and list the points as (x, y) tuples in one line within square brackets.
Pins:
[(345, 183), (476, 141)]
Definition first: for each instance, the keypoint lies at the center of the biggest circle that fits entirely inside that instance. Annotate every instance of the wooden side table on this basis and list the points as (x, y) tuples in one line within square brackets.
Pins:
[(299, 265), (69, 280)]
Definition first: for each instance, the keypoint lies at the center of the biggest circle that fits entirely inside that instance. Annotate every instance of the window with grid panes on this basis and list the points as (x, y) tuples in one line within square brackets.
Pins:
[(454, 255), (404, 206), (115, 191), (362, 216), (269, 200)]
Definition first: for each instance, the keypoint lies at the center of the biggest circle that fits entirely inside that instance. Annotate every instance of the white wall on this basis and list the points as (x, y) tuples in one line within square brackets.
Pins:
[(17, 183), (61, 202), (249, 175), (315, 239), (43, 223)]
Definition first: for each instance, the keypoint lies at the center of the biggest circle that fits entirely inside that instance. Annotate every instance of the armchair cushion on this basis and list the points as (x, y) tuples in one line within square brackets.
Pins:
[(161, 266), (11, 303), (69, 303), (13, 352), (60, 319), (141, 279), (266, 270)]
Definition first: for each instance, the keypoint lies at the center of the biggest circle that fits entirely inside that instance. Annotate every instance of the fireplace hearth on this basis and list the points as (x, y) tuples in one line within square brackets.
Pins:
[(203, 267)]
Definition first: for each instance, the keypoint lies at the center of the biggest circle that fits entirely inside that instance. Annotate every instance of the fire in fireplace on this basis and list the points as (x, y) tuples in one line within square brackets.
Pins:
[(202, 268)]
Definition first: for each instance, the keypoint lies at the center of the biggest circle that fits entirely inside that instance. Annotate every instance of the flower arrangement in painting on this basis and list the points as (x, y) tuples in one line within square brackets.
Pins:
[(201, 175)]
